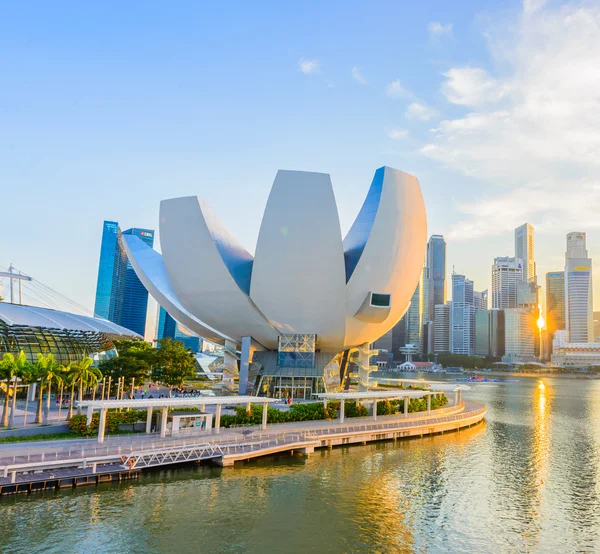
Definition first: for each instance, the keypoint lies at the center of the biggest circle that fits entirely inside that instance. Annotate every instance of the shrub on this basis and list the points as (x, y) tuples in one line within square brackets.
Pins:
[(78, 423)]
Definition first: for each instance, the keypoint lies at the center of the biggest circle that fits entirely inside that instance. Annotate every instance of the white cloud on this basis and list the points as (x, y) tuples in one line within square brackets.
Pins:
[(358, 76), (531, 136), (396, 90), (395, 133), (436, 29), (308, 66), (470, 86), (420, 111)]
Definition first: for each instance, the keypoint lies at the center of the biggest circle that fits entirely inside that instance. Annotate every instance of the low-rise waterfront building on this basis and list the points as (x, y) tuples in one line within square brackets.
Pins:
[(576, 355)]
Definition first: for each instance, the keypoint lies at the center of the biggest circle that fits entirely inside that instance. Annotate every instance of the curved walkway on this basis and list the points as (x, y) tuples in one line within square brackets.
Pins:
[(241, 441)]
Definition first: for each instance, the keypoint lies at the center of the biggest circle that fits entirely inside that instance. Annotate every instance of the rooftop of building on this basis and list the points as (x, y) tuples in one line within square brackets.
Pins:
[(33, 316)]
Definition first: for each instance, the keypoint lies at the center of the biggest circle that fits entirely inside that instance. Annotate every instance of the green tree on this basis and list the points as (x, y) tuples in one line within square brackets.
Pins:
[(11, 368), (70, 380), (47, 369), (85, 375), (135, 361), (174, 364)]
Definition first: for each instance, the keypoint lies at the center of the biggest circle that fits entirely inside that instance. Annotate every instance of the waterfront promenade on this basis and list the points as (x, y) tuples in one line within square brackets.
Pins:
[(40, 461)]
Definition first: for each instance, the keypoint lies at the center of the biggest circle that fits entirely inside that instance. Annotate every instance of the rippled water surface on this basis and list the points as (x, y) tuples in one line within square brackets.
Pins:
[(524, 481)]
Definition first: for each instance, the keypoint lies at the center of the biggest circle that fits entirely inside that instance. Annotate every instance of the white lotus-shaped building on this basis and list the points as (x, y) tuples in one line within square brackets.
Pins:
[(307, 297)]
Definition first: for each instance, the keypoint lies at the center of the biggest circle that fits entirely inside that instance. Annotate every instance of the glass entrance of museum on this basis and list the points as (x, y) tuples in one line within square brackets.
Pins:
[(298, 388)]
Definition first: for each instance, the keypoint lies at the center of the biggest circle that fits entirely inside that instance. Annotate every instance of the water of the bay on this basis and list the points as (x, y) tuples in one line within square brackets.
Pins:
[(527, 480)]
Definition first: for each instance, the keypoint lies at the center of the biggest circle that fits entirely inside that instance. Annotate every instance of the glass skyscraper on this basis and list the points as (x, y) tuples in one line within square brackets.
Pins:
[(436, 273), (169, 328), (120, 295)]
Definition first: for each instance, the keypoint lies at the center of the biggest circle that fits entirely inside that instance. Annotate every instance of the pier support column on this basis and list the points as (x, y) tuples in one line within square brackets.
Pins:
[(149, 420), (163, 422), (248, 407), (90, 412), (428, 403), (342, 409), (218, 419), (374, 410), (264, 415), (245, 359), (406, 402), (456, 398), (102, 425), (363, 366)]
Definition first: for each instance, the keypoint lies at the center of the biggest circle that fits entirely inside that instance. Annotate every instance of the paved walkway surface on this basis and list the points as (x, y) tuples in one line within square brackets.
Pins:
[(119, 445)]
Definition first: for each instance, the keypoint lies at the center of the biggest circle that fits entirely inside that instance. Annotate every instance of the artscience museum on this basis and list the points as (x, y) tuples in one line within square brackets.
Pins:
[(298, 316)]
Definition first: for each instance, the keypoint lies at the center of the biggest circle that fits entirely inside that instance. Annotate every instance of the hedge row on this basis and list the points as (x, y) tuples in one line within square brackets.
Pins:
[(316, 411), (78, 423)]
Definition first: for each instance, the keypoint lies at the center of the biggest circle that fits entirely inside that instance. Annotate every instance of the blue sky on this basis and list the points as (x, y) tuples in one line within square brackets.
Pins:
[(107, 108)]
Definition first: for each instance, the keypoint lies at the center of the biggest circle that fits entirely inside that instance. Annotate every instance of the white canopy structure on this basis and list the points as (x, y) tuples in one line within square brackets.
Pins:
[(165, 403)]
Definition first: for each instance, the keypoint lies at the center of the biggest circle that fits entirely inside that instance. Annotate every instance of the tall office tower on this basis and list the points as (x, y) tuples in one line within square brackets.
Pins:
[(480, 299), (506, 274), (482, 333), (169, 328), (462, 328), (519, 335), (111, 274), (414, 318), (441, 332), (436, 273), (528, 299), (426, 315), (462, 289), (524, 250), (384, 342), (135, 295), (120, 295), (462, 316), (579, 315), (555, 302), (576, 245), (496, 333), (399, 338), (428, 336)]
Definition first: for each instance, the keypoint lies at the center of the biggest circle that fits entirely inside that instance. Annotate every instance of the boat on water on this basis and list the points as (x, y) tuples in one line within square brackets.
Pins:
[(482, 379), (454, 371)]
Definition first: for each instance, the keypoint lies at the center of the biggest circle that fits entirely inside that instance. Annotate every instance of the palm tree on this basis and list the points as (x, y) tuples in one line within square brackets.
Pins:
[(24, 370), (86, 375), (47, 370), (70, 380), (8, 371)]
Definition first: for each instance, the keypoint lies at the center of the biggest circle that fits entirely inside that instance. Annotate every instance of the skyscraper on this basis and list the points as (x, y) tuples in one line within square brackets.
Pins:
[(496, 333), (506, 274), (519, 335), (169, 328), (414, 318), (462, 289), (441, 332), (579, 316), (462, 316), (111, 274), (436, 273), (480, 299), (524, 250), (482, 333), (120, 295)]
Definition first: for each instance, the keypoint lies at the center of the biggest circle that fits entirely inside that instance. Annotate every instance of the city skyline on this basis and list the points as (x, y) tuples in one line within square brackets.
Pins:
[(442, 100)]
